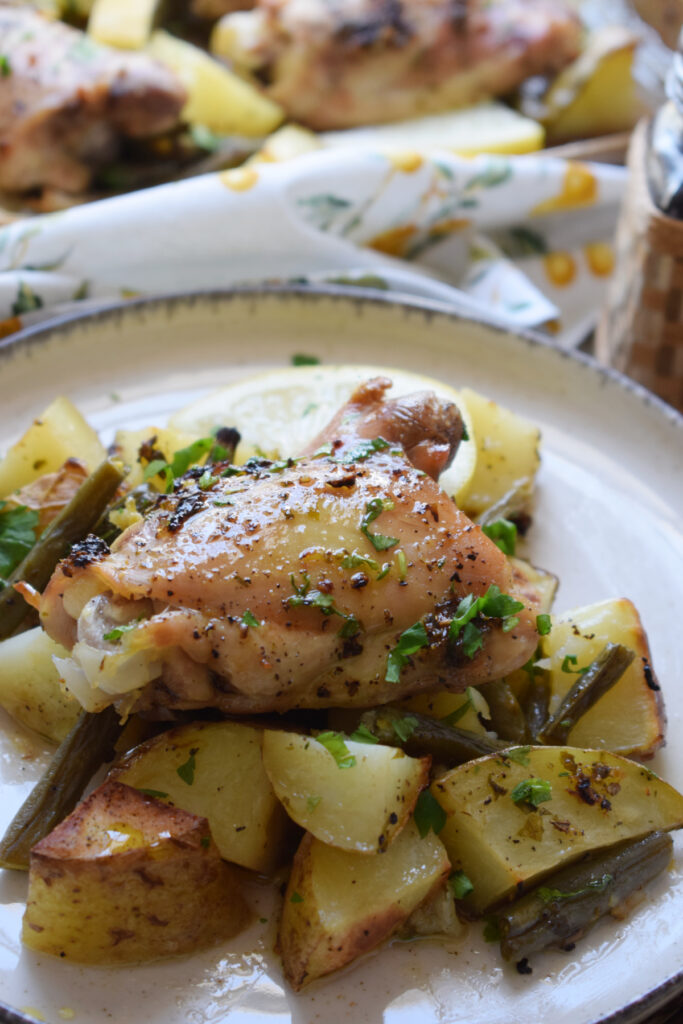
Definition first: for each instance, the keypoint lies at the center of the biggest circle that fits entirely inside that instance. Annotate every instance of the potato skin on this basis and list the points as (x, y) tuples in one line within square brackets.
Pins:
[(126, 878), (505, 845), (307, 952), (339, 905)]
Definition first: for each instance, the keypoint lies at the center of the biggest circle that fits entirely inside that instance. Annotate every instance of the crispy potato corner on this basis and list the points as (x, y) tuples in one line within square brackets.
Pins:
[(126, 878)]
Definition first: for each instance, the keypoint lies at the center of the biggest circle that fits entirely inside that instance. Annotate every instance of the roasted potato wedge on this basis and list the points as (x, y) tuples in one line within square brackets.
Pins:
[(585, 800), (215, 769), (30, 690), (629, 719), (126, 878), (217, 98), (507, 459), (467, 710), (124, 23), (338, 905), (359, 801), (58, 434)]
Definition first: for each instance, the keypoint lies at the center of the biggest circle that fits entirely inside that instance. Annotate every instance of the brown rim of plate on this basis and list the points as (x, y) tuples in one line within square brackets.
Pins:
[(309, 294)]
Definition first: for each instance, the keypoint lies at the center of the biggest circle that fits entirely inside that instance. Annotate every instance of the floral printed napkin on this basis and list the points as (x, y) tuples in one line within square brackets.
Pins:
[(525, 239)]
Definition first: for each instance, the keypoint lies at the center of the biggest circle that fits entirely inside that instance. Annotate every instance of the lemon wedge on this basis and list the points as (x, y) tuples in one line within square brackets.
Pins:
[(280, 411), (485, 128)]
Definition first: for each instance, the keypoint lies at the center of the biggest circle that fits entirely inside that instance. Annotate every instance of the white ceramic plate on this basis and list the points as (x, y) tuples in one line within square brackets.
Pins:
[(607, 522)]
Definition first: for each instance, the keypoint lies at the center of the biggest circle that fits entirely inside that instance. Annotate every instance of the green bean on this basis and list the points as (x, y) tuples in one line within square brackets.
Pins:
[(570, 901), (599, 677), (72, 524), (507, 718), (85, 749), (535, 703), (420, 735)]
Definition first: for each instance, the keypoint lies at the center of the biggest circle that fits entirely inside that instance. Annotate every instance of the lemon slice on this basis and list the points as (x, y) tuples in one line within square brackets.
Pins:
[(280, 411)]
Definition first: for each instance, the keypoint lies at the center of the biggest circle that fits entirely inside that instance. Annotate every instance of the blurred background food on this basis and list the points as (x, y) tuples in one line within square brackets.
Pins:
[(666, 16), (104, 96)]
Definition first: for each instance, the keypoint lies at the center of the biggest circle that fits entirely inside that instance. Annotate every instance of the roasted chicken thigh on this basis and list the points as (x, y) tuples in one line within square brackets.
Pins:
[(294, 584), (340, 63), (67, 103)]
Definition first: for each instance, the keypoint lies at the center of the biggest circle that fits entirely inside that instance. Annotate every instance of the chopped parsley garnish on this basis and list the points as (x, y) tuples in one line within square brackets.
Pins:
[(472, 639), (491, 930), (115, 634), (429, 814), (296, 898), (402, 564), (207, 480), (350, 628), (5, 66), (460, 712), (543, 624), (334, 742), (205, 841), (158, 467), (248, 619), (312, 802), (17, 536), (363, 450), (404, 727), (503, 533), (568, 661), (186, 771), (493, 605), (532, 791), (305, 597), (459, 885), (520, 755), (301, 359), (555, 895), (363, 735), (355, 559), (186, 457), (373, 509), (410, 642), (156, 793)]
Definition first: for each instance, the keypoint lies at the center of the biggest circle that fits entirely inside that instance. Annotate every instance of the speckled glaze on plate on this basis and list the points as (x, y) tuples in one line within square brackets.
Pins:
[(607, 521)]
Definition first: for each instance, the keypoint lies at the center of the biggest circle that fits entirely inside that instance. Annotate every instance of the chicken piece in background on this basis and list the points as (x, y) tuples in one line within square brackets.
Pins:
[(66, 104), (213, 9), (664, 15), (334, 65)]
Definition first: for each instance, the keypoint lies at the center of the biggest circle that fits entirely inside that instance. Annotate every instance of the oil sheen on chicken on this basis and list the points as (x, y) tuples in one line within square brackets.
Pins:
[(340, 63), (287, 585)]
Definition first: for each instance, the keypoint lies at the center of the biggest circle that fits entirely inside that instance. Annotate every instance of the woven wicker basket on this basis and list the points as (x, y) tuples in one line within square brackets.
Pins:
[(641, 329)]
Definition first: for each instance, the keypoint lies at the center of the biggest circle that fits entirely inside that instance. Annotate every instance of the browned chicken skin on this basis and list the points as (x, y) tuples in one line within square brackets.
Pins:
[(66, 102), (340, 63), (282, 586)]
